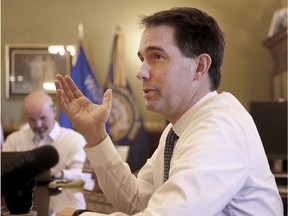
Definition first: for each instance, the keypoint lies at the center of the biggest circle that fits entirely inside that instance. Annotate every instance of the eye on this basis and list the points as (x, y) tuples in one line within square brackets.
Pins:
[(141, 58), (31, 120), (157, 56)]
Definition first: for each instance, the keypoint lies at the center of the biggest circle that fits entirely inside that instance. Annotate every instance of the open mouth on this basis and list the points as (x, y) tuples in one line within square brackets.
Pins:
[(146, 91)]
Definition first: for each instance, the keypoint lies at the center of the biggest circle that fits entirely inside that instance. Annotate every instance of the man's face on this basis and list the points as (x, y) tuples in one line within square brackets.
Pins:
[(166, 74), (41, 119)]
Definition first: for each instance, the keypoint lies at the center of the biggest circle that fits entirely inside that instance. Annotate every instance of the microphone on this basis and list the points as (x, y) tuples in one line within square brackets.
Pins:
[(22, 166), (19, 170)]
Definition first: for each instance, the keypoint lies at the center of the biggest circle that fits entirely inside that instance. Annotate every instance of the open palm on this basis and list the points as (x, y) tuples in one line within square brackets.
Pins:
[(86, 117)]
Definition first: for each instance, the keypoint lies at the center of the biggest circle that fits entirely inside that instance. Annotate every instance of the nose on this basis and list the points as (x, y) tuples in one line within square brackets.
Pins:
[(38, 123), (144, 72)]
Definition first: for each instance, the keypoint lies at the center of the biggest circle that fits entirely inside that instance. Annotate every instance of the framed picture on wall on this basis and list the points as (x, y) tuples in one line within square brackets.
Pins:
[(34, 67)]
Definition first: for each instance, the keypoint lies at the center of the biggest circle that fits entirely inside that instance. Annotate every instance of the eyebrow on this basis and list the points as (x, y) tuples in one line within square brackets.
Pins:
[(157, 48)]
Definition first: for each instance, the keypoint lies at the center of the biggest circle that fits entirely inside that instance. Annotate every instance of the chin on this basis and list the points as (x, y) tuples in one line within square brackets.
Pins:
[(40, 134), (152, 107)]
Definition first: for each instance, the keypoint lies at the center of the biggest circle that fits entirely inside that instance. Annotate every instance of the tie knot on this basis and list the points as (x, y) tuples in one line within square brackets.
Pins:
[(171, 137)]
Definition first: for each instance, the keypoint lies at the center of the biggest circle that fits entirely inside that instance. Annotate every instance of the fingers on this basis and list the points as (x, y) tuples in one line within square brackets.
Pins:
[(69, 88), (107, 98), (74, 90), (66, 87), (61, 97)]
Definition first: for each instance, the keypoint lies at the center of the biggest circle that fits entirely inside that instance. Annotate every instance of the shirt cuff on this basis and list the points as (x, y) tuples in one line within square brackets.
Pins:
[(102, 153)]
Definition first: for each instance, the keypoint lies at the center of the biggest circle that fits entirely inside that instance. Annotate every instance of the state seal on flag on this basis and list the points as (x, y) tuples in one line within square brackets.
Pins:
[(122, 116)]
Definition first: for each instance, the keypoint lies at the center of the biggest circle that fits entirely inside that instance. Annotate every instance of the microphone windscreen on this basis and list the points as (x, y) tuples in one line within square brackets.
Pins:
[(21, 166)]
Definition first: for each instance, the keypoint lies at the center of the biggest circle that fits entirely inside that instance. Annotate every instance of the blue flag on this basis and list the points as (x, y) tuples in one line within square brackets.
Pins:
[(85, 79), (126, 126)]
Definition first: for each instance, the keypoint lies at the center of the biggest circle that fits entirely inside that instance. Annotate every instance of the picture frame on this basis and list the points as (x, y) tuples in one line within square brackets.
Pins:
[(34, 67)]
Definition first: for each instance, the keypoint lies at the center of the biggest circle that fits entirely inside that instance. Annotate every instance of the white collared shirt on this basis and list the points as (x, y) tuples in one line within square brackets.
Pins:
[(218, 167)]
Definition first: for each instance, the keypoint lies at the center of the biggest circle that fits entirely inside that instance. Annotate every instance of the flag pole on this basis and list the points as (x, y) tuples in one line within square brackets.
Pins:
[(118, 59), (81, 39)]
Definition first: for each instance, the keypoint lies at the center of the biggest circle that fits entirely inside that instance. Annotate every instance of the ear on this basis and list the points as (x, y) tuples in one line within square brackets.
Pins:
[(203, 64), (54, 108)]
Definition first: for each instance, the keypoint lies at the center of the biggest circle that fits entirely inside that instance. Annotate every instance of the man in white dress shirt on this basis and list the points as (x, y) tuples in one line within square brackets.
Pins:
[(42, 129), (218, 166)]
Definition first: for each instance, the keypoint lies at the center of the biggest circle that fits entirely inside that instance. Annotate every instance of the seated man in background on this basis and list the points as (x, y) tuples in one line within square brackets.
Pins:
[(44, 130)]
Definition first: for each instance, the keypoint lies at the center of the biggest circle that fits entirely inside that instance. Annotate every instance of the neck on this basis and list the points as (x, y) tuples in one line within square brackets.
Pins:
[(187, 105)]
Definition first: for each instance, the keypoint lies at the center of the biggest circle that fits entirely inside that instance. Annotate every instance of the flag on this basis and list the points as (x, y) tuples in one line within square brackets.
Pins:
[(1, 134), (85, 79), (126, 126)]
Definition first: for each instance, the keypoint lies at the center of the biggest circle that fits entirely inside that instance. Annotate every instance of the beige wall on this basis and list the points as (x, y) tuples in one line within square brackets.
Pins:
[(245, 23)]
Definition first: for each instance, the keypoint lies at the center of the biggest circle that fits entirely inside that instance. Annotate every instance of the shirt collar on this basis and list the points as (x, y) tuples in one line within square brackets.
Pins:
[(55, 131), (52, 135), (184, 120)]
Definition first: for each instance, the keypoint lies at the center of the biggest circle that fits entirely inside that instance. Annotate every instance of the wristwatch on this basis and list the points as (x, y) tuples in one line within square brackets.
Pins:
[(80, 211), (58, 174)]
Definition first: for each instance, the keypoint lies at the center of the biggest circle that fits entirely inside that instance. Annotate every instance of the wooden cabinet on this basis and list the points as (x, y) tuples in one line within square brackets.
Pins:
[(277, 47)]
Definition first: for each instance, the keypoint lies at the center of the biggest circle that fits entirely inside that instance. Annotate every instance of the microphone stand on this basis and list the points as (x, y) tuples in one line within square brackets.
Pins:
[(19, 197)]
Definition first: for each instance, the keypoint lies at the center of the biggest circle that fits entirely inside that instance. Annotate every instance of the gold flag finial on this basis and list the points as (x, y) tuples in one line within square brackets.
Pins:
[(118, 29), (80, 31)]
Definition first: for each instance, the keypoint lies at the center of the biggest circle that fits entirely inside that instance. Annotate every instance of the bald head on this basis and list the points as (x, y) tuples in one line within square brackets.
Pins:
[(40, 112), (37, 100)]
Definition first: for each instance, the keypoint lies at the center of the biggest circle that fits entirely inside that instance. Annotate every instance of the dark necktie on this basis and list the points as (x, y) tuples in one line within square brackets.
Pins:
[(169, 146)]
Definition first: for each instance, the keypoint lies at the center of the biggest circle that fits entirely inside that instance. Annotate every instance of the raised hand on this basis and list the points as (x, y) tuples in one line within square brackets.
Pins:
[(87, 118)]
